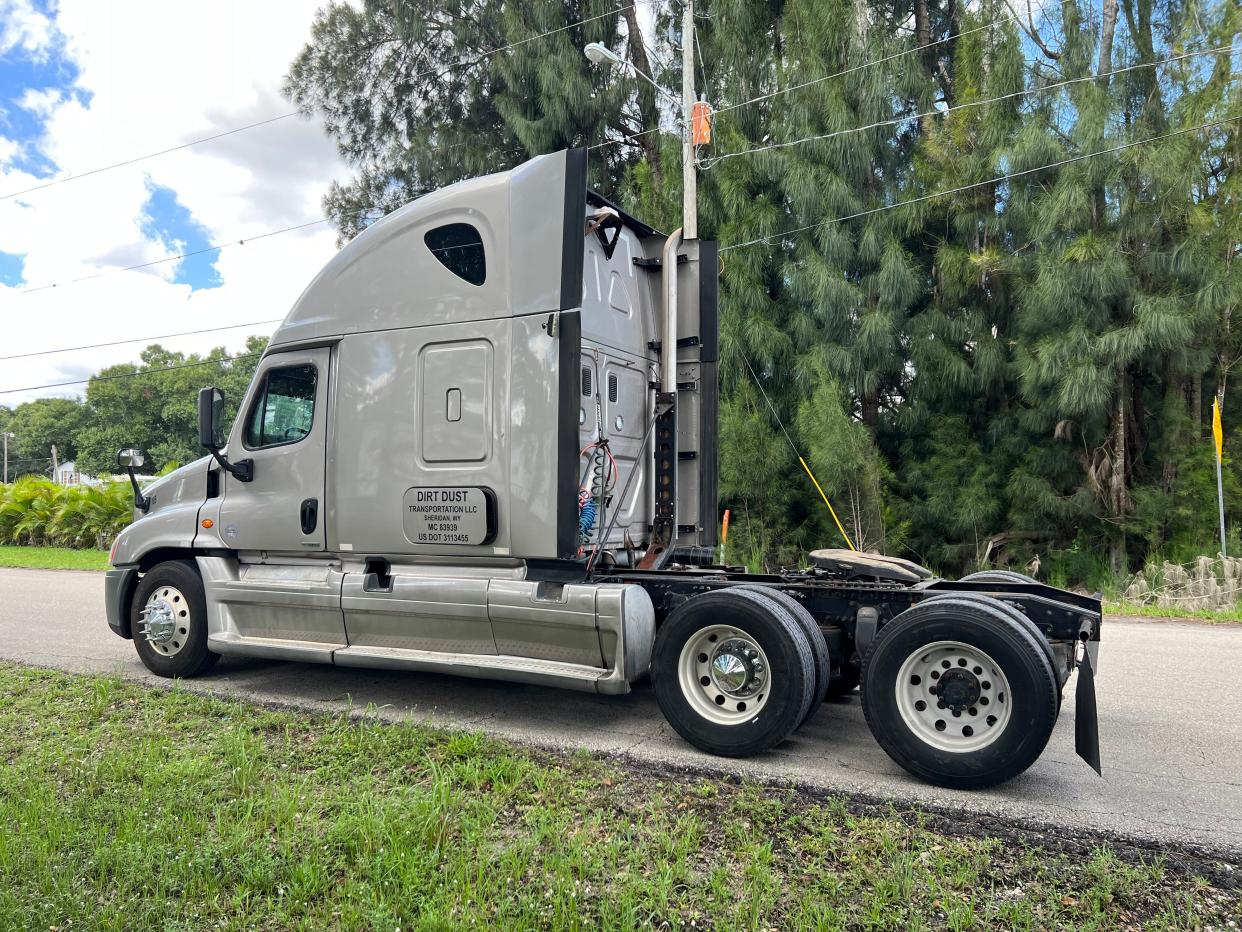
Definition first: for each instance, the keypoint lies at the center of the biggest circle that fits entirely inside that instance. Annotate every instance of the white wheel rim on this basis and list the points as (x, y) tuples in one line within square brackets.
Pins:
[(724, 675), (165, 620), (954, 697)]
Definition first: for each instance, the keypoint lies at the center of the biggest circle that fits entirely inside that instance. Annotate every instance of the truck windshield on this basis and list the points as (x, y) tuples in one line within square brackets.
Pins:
[(284, 408)]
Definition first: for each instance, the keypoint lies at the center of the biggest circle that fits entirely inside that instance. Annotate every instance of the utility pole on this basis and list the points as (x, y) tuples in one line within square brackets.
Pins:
[(6, 456), (55, 465), (689, 176)]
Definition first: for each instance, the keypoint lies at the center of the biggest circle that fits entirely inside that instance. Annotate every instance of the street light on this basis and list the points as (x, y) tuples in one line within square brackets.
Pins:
[(599, 54), (665, 527)]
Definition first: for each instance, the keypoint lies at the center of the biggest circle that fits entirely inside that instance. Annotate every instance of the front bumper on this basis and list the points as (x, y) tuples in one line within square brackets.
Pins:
[(119, 586)]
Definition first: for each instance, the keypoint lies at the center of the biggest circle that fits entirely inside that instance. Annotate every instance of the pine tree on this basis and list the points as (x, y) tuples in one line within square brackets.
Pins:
[(1028, 361), (419, 95)]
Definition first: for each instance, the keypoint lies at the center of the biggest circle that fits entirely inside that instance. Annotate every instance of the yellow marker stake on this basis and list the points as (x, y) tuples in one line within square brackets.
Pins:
[(832, 511), (1218, 434)]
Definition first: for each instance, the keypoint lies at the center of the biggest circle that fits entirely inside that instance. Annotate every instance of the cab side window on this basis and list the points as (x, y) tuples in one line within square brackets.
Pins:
[(284, 408), (459, 247)]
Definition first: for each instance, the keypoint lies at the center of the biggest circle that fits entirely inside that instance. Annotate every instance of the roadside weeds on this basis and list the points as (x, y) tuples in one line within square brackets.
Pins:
[(131, 807)]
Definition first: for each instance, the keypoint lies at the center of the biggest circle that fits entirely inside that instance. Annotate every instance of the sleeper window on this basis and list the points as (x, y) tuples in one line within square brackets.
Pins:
[(459, 247), (284, 407)]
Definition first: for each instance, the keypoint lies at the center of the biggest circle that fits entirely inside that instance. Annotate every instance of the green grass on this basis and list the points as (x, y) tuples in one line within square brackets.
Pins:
[(1222, 617), (54, 558), (128, 808)]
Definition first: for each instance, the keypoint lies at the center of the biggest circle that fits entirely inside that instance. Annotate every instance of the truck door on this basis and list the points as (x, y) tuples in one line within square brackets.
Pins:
[(282, 427)]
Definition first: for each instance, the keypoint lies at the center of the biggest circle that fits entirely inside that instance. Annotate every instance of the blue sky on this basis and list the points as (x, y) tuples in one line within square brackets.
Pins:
[(11, 268), (169, 222), (88, 83), (23, 70), (54, 77)]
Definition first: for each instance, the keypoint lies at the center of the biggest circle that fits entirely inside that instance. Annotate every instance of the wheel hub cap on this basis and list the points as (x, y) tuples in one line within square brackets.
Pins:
[(158, 623), (958, 690), (737, 668), (953, 696), (165, 621), (724, 675)]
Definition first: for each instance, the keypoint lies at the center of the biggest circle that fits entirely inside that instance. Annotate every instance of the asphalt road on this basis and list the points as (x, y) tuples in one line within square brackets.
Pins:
[(1170, 699)]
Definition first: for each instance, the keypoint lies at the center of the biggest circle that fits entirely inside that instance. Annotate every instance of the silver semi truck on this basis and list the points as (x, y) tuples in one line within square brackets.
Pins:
[(483, 442)]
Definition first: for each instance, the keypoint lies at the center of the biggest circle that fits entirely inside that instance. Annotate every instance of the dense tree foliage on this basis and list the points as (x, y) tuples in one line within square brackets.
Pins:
[(151, 404), (1020, 361)]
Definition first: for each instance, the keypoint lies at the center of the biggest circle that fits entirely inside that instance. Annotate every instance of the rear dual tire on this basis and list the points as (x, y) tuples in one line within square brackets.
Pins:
[(1000, 576), (733, 671), (959, 693), (824, 679)]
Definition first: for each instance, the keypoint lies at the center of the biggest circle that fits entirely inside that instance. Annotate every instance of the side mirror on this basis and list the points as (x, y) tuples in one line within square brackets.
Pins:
[(210, 418), (211, 432), (129, 459)]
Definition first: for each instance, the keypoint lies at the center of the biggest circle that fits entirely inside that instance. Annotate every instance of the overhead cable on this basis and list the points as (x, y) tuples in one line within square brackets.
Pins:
[(143, 158), (284, 116), (1009, 176), (132, 375), (162, 336), (179, 256), (879, 61), (942, 111)]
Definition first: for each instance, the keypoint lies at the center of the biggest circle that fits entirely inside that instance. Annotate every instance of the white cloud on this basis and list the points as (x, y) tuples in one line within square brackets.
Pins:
[(9, 149), (24, 27), (40, 102), (156, 75)]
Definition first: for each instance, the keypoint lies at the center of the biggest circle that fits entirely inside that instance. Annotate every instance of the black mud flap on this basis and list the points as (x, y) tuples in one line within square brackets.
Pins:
[(1086, 724)]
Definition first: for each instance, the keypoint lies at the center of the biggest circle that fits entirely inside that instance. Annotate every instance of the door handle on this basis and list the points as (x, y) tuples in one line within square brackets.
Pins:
[(310, 515)]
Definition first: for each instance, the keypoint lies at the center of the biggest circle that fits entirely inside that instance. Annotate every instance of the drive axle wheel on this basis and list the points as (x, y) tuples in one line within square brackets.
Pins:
[(169, 621), (953, 696), (724, 674), (815, 638), (733, 672), (959, 693), (1000, 577)]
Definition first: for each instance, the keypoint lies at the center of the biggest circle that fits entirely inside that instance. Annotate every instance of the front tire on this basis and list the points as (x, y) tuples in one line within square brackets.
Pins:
[(733, 672), (959, 694), (168, 617)]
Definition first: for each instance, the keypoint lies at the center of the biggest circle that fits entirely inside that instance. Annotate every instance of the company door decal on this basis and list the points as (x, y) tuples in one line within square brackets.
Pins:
[(449, 515)]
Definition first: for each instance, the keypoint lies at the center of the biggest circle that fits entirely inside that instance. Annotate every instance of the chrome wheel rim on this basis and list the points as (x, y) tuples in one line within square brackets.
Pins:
[(165, 621), (724, 675), (954, 696)]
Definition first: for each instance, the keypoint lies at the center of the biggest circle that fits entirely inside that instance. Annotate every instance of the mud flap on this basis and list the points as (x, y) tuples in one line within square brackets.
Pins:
[(1086, 724)]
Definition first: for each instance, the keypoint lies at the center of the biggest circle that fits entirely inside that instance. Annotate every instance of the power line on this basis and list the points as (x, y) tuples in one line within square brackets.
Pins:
[(149, 155), (184, 255), (197, 252), (896, 121), (879, 61), (513, 45), (978, 184), (793, 446), (162, 336), (132, 375), (630, 138), (284, 116)]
